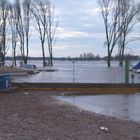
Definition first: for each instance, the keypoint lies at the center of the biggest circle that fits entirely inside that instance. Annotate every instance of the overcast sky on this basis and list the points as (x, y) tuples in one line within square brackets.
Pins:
[(80, 30)]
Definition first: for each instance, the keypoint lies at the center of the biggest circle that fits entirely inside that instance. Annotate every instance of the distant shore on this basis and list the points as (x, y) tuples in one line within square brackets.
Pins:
[(38, 115), (69, 58)]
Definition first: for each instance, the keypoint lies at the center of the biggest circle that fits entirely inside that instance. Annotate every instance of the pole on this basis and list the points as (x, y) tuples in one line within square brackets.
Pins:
[(73, 71)]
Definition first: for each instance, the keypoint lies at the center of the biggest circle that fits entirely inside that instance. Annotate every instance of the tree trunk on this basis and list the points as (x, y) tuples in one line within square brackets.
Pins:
[(27, 51), (43, 54), (108, 61), (108, 58), (51, 60), (15, 64), (120, 58), (121, 63), (51, 55), (2, 59)]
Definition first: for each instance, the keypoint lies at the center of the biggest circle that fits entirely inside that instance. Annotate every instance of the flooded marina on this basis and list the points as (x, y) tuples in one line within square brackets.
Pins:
[(80, 72), (120, 106)]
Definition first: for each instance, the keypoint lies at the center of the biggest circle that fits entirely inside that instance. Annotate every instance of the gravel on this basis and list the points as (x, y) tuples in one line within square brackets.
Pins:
[(38, 115)]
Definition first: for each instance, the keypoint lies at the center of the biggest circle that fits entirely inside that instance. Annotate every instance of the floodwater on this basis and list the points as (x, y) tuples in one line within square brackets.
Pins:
[(121, 106), (79, 72), (125, 106)]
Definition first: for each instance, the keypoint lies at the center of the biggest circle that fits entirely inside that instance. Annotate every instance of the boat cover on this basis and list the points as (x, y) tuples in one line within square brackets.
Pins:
[(137, 66)]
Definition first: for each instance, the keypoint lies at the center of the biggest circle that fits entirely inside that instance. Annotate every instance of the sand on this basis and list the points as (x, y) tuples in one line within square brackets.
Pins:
[(40, 116)]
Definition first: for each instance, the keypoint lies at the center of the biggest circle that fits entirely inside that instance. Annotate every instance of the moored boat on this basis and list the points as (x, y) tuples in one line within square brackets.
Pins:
[(30, 68)]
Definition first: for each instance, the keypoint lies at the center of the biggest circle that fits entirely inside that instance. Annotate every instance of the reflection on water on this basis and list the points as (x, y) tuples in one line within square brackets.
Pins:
[(124, 106)]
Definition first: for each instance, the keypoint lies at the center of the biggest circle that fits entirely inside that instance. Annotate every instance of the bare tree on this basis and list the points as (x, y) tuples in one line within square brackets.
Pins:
[(51, 29), (110, 14), (40, 14), (20, 29), (23, 19), (118, 18), (4, 7), (1, 49), (127, 20), (26, 16), (13, 25)]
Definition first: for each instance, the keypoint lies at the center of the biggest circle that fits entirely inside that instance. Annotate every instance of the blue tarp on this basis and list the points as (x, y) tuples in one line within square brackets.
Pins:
[(137, 66)]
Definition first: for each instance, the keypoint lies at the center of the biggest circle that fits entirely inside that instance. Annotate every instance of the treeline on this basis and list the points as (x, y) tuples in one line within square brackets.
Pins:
[(93, 58)]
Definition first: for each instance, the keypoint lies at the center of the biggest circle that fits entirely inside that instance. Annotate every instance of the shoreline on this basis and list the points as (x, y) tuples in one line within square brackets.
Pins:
[(38, 115)]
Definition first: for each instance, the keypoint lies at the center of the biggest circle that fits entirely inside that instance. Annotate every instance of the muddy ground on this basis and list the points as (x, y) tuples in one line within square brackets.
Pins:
[(39, 116)]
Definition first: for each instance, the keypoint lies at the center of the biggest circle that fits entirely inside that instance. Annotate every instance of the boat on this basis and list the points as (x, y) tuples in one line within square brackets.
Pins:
[(30, 68), (136, 68)]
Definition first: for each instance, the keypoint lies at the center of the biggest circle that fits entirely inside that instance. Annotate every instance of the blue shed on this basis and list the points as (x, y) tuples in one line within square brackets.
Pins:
[(5, 81)]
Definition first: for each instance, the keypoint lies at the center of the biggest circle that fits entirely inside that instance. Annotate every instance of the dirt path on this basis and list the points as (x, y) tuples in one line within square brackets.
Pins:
[(38, 116)]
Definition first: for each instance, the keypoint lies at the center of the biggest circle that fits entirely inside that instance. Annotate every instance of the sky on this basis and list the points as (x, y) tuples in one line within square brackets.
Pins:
[(80, 30)]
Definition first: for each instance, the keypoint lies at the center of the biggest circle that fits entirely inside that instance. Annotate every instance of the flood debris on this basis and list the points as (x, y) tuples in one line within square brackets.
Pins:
[(104, 129), (26, 93)]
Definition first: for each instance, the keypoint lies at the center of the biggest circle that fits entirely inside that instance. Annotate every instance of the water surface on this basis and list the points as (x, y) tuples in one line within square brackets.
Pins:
[(81, 72), (121, 106)]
